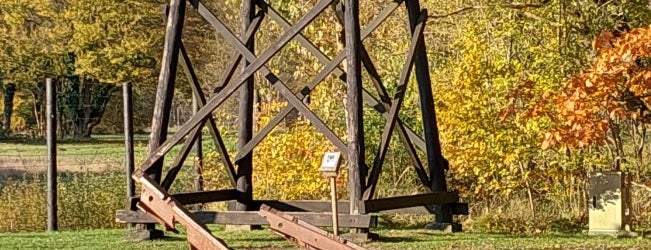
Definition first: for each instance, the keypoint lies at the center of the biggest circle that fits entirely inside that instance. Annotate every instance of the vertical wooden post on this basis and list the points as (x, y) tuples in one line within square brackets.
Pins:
[(164, 96), (436, 163), (166, 80), (245, 126), (335, 209), (51, 114), (356, 166), (198, 150), (127, 109)]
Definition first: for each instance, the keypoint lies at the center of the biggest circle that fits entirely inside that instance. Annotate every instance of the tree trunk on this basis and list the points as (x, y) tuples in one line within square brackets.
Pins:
[(9, 93)]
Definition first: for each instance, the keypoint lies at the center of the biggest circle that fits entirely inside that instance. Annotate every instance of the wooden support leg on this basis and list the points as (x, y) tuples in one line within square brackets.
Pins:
[(245, 118), (164, 96), (436, 163), (356, 165)]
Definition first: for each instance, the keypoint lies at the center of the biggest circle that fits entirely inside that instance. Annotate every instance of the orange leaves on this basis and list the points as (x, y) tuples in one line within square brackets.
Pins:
[(610, 91)]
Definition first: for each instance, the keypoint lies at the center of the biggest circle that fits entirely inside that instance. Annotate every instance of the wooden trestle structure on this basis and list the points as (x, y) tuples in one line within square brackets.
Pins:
[(167, 208)]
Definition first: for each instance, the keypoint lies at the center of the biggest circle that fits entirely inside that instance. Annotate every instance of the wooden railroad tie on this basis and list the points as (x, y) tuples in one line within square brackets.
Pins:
[(304, 234)]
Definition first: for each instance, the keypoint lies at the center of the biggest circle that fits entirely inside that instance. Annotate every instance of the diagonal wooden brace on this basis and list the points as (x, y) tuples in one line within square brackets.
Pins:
[(155, 201), (304, 234)]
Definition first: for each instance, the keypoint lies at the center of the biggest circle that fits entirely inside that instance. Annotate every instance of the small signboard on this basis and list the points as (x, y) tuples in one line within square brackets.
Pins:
[(330, 163)]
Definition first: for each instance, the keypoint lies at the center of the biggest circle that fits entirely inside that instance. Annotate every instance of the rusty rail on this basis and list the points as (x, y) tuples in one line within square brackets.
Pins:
[(155, 201), (304, 234)]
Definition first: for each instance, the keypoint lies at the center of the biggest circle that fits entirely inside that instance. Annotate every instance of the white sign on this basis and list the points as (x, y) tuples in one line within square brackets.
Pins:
[(330, 163)]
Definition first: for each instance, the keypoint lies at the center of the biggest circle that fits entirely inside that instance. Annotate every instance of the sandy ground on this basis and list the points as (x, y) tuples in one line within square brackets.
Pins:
[(18, 165)]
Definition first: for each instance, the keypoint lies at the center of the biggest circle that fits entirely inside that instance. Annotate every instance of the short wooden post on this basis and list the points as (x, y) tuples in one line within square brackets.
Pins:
[(198, 150), (127, 109), (50, 109), (335, 210)]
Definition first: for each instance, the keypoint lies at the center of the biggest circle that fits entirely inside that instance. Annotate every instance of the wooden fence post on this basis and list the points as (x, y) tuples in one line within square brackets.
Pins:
[(51, 100), (127, 108)]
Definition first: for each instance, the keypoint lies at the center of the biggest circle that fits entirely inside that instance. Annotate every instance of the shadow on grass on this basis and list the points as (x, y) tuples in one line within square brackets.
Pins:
[(397, 239)]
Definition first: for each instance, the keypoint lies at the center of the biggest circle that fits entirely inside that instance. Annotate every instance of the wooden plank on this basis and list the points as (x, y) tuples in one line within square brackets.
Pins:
[(396, 104), (252, 218), (377, 205), (317, 206), (436, 163), (278, 84), (206, 196), (330, 66), (245, 117), (356, 165), (220, 97)]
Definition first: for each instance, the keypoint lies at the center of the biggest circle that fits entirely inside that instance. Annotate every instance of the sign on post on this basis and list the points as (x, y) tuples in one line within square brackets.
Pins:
[(330, 169), (330, 164)]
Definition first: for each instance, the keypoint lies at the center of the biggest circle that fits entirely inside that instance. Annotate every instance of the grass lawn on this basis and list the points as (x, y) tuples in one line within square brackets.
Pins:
[(264, 239)]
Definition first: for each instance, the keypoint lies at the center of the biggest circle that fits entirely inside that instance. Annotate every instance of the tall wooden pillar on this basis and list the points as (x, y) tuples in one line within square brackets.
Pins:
[(164, 95), (356, 166), (436, 163), (245, 126)]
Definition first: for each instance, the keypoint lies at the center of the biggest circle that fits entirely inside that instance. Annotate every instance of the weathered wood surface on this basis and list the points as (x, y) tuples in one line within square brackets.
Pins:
[(252, 218), (355, 122), (165, 209), (436, 163), (382, 204), (51, 130), (207, 196), (165, 88), (129, 162), (245, 117)]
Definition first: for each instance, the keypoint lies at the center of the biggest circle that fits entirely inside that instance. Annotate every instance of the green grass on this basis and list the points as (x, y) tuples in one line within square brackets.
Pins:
[(264, 239)]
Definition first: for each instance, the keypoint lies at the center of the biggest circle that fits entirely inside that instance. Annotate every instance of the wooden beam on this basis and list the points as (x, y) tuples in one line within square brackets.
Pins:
[(245, 117), (396, 104), (252, 218), (230, 88), (331, 66), (201, 101), (436, 163), (276, 82), (206, 196), (406, 135), (320, 206), (165, 88), (356, 165), (378, 205)]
